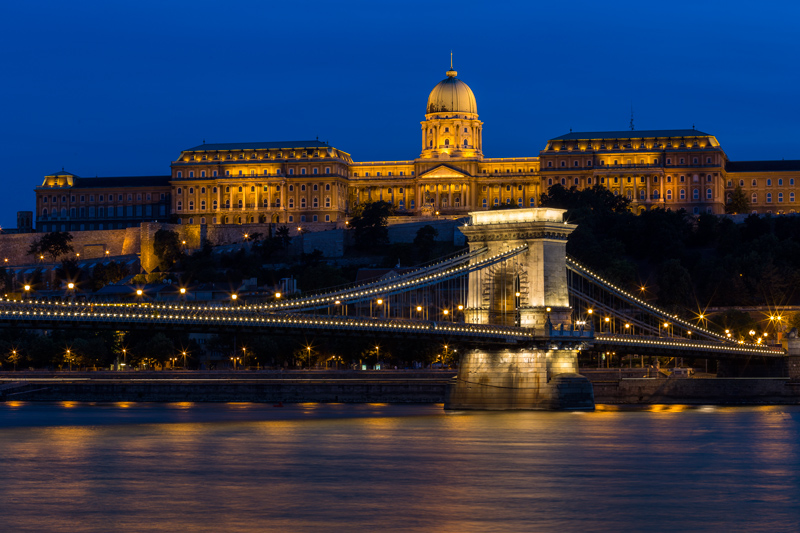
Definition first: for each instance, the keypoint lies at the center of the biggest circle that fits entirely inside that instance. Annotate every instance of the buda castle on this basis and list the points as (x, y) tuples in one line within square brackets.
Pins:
[(294, 182)]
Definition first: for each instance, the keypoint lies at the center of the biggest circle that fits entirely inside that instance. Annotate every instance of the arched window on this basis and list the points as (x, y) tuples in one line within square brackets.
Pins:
[(642, 194), (484, 205), (191, 205), (431, 145), (695, 194), (316, 203), (780, 197), (239, 203), (447, 142), (532, 202), (44, 212), (214, 205), (465, 143), (754, 198), (302, 202), (563, 181), (179, 206), (709, 194), (669, 194), (769, 198), (202, 205)]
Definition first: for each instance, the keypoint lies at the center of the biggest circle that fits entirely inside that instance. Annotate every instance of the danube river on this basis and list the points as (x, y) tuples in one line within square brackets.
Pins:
[(335, 467)]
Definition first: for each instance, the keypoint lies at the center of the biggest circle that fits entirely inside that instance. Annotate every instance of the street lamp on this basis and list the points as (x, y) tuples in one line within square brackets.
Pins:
[(184, 359), (309, 356), (69, 359), (124, 356), (244, 355), (70, 285), (277, 296)]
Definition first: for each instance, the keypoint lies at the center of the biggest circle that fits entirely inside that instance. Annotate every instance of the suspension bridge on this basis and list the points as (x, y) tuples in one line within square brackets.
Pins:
[(514, 290)]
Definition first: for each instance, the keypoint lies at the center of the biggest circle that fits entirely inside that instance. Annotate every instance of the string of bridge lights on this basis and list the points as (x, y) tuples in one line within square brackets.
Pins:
[(661, 312)]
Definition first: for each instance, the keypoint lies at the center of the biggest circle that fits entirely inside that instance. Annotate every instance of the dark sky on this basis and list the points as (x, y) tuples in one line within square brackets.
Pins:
[(119, 88)]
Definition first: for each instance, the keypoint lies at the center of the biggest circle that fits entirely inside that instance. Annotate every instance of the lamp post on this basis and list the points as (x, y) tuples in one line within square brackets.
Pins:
[(308, 348), (124, 357), (69, 359), (184, 359), (244, 356)]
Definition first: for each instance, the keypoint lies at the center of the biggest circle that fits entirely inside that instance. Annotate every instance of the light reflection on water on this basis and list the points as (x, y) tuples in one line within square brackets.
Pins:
[(309, 467)]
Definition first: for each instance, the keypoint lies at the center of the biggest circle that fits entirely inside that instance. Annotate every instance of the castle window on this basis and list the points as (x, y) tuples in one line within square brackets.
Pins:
[(447, 130), (549, 182), (669, 179), (695, 194), (327, 170), (180, 191), (683, 194), (191, 205), (741, 183), (447, 142), (314, 218), (291, 171), (465, 130), (328, 201), (378, 174), (655, 179), (303, 187), (791, 181), (564, 182), (303, 171), (241, 173), (708, 177), (366, 174), (291, 188), (754, 198), (755, 183), (588, 164), (708, 160), (191, 173), (240, 189), (769, 197), (203, 174), (484, 205), (465, 143), (602, 162), (681, 160), (532, 202), (563, 163), (519, 202), (694, 161), (780, 197), (180, 205), (227, 172), (191, 190), (227, 204), (549, 163), (315, 171), (769, 182), (709, 194), (588, 181), (508, 188), (202, 205), (214, 205), (180, 174), (315, 202), (302, 202), (576, 181), (227, 189), (431, 144), (576, 163), (496, 202), (669, 161), (791, 197), (239, 204), (683, 179), (291, 203), (780, 181)]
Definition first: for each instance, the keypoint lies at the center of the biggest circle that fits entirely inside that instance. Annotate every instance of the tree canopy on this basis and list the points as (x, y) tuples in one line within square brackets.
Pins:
[(54, 244), (167, 247), (371, 224)]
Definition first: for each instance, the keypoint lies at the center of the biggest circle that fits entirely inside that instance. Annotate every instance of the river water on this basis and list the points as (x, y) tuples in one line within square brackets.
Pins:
[(334, 467)]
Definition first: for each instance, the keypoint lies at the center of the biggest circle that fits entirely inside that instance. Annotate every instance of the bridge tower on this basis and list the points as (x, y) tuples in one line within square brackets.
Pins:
[(530, 291)]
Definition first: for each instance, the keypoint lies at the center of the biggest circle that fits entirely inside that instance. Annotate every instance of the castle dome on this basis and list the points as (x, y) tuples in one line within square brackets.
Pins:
[(452, 95)]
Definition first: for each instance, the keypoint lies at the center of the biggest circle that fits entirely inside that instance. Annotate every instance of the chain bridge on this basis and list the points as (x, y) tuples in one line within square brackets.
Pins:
[(514, 296)]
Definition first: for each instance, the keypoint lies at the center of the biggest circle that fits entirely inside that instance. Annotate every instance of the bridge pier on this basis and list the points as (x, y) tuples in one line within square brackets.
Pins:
[(519, 378), (529, 291)]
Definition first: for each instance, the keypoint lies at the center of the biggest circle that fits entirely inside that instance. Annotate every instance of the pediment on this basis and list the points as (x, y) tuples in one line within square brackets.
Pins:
[(444, 172)]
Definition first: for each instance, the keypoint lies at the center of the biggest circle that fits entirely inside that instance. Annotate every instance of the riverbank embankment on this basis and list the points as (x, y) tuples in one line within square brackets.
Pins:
[(614, 387)]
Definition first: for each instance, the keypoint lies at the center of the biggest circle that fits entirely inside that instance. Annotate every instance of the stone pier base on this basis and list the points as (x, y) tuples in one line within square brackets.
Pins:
[(529, 378)]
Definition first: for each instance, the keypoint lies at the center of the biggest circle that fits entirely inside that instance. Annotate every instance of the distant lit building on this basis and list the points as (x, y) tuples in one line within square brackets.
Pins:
[(312, 182)]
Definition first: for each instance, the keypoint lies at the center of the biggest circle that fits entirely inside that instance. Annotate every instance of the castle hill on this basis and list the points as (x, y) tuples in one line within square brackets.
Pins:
[(611, 267)]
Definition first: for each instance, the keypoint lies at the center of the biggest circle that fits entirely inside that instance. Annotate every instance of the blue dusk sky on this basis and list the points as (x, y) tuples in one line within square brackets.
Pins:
[(119, 88)]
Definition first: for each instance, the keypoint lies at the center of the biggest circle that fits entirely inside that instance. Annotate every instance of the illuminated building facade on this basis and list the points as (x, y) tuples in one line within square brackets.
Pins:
[(312, 182)]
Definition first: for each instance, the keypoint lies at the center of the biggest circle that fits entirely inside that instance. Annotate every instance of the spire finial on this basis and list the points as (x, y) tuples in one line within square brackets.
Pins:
[(451, 73)]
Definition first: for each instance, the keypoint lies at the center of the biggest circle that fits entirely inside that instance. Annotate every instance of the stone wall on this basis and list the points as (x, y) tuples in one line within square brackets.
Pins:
[(90, 244), (698, 391), (401, 230)]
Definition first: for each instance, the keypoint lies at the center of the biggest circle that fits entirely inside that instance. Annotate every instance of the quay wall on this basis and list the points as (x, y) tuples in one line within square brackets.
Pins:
[(697, 391)]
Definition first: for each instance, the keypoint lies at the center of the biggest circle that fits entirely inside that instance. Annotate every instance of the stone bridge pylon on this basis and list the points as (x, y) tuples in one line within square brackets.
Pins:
[(530, 291)]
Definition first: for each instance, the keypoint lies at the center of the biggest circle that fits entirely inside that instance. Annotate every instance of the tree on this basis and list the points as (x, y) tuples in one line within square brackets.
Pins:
[(425, 240), (167, 247), (737, 203), (54, 244), (371, 226), (282, 234)]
